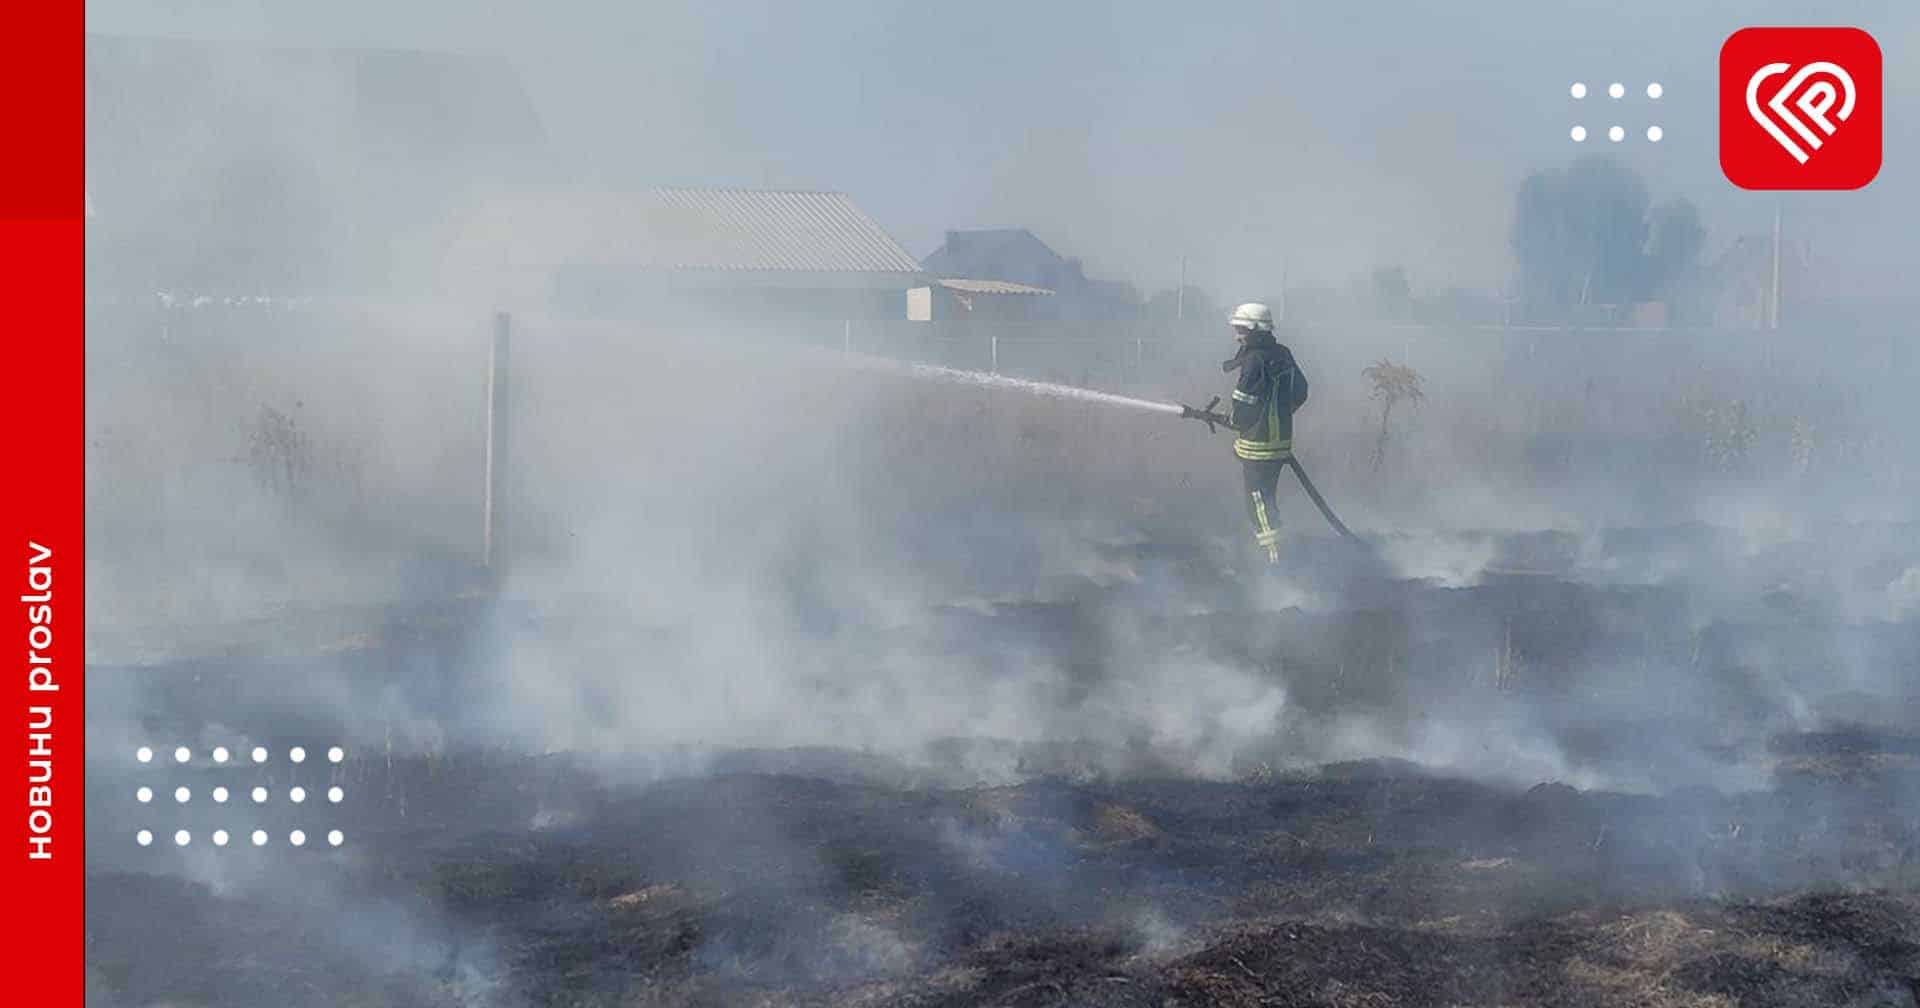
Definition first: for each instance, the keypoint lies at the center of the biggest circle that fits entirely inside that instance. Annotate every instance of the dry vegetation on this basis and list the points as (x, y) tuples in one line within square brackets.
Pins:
[(1111, 873), (1366, 884)]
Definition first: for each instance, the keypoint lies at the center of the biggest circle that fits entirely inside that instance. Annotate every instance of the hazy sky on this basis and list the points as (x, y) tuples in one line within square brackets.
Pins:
[(1316, 138)]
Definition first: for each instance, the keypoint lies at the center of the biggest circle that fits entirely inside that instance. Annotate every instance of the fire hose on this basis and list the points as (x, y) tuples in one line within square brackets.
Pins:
[(1214, 419), (1207, 414)]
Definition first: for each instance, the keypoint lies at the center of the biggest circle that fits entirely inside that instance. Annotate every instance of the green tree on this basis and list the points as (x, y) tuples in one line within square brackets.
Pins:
[(1590, 235), (1390, 292), (1673, 257)]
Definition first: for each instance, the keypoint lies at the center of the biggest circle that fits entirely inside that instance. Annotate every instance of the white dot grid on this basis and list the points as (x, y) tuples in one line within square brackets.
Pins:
[(1616, 90), (221, 754)]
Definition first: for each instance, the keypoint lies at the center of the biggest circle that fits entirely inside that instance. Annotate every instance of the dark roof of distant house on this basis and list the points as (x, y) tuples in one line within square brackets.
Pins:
[(763, 230), (963, 249)]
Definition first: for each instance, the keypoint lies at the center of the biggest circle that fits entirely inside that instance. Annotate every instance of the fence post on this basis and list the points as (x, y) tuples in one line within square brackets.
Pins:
[(995, 352), (499, 362), (846, 336)]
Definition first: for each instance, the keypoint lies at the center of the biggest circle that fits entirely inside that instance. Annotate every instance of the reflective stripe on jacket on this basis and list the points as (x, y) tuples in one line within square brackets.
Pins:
[(1270, 389)]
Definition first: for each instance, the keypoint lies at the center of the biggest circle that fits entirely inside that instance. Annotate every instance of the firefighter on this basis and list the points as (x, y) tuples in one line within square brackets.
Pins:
[(1271, 386)]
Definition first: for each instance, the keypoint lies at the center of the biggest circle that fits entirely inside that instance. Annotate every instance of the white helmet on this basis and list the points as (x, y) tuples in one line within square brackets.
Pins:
[(1253, 317)]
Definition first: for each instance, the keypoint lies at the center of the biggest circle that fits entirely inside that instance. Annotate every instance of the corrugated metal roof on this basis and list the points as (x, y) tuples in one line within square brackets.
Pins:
[(760, 229), (989, 287)]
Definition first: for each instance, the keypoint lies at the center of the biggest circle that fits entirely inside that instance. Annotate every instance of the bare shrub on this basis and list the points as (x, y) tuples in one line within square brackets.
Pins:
[(279, 451), (1392, 385)]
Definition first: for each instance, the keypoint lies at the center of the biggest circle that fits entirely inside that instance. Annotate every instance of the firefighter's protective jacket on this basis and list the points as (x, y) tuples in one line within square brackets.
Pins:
[(1271, 387)]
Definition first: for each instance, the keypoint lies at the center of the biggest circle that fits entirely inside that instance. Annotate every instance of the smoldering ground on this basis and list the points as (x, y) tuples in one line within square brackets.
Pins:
[(811, 685), (854, 673)]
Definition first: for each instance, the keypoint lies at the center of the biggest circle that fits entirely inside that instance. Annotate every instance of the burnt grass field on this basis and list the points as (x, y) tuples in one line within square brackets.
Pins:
[(1749, 837), (960, 699)]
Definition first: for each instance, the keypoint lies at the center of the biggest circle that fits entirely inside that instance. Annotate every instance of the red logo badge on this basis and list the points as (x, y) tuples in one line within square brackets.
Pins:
[(1800, 108)]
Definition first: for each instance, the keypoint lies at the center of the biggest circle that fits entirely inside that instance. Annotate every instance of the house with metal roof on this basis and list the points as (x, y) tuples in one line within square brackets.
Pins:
[(690, 252), (1017, 255), (949, 299)]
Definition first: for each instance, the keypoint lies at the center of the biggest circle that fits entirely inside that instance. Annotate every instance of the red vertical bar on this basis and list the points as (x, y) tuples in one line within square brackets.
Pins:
[(42, 498)]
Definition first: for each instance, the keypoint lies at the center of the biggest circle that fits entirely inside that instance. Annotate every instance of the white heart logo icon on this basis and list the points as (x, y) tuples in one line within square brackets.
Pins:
[(1814, 102)]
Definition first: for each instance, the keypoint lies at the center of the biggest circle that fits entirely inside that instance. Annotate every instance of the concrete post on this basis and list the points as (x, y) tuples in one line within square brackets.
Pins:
[(499, 368)]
